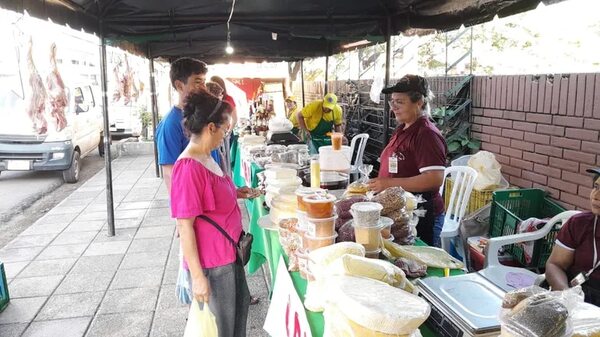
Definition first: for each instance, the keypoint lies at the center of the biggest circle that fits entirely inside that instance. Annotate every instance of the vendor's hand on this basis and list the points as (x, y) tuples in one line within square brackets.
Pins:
[(245, 193), (378, 184), (201, 288)]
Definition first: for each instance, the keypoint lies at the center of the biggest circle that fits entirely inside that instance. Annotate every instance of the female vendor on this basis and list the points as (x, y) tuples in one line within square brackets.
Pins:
[(415, 157)]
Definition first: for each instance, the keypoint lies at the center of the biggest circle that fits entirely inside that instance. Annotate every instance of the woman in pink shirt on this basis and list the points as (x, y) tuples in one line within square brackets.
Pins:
[(199, 187)]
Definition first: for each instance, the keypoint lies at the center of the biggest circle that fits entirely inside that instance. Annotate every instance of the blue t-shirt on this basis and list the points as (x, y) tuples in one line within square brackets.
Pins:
[(171, 140)]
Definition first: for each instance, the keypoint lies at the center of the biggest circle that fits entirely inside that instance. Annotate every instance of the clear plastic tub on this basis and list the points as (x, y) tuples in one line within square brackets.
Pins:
[(302, 192), (366, 214), (373, 254), (311, 243), (319, 205), (321, 228), (369, 237)]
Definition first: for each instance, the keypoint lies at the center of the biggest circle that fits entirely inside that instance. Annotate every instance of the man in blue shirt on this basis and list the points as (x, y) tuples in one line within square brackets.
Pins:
[(188, 76)]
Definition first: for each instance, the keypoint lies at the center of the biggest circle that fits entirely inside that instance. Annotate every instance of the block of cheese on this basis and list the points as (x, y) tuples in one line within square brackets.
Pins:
[(319, 259), (376, 306), (372, 268)]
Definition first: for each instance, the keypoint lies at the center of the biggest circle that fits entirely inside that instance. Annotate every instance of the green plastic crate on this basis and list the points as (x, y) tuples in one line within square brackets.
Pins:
[(4, 298), (510, 207)]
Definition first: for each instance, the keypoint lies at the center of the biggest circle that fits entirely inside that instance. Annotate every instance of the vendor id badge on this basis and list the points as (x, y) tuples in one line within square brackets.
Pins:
[(393, 164), (578, 280), (18, 165)]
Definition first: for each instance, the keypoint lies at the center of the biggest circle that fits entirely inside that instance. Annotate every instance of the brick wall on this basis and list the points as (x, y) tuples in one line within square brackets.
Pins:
[(544, 130)]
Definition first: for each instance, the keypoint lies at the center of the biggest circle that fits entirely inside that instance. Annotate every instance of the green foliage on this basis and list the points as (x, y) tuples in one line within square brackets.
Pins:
[(146, 116)]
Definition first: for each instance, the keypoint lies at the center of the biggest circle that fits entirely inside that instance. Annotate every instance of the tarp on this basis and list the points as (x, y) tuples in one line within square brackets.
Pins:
[(307, 28)]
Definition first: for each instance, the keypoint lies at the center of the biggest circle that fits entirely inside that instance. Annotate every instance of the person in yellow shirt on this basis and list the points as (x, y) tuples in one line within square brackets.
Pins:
[(319, 118), (292, 110)]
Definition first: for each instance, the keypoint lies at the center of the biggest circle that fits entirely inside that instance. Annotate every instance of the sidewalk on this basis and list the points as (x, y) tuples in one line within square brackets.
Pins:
[(67, 278)]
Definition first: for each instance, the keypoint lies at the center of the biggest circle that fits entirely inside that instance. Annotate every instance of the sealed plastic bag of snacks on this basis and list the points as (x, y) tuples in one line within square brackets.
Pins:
[(360, 186), (343, 206), (540, 315), (346, 232), (392, 198)]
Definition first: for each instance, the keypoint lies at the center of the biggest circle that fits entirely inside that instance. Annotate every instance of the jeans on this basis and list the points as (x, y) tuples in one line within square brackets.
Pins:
[(437, 229)]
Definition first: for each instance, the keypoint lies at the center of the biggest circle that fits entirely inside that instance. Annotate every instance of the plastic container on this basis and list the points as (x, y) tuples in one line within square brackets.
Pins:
[(366, 214), (335, 160), (334, 180), (336, 141), (315, 173), (281, 173), (311, 243), (282, 207), (369, 237), (305, 273), (510, 207), (373, 254), (386, 232), (302, 192), (319, 206), (321, 228)]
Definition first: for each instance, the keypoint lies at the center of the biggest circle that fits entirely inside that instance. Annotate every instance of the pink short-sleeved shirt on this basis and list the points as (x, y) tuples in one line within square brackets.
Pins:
[(195, 191)]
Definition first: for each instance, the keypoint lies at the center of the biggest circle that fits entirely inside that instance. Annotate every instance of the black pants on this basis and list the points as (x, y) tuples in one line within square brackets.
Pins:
[(229, 299)]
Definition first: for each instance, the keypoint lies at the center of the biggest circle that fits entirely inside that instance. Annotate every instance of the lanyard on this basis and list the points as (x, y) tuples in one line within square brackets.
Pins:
[(596, 263)]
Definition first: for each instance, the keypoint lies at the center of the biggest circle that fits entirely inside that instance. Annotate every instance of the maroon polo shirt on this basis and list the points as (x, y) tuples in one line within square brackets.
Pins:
[(419, 148), (576, 235)]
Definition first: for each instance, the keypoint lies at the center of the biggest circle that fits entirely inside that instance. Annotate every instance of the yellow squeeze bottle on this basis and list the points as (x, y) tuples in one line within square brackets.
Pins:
[(315, 173)]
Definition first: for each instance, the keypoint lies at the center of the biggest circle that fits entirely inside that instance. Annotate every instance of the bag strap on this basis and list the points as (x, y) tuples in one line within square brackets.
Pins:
[(212, 222)]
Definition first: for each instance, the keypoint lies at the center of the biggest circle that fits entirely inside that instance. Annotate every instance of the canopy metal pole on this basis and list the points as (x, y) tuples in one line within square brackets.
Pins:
[(110, 212), (302, 81), (388, 61), (327, 72), (154, 115)]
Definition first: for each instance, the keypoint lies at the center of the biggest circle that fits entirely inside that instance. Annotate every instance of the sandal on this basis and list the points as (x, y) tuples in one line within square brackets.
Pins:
[(254, 300)]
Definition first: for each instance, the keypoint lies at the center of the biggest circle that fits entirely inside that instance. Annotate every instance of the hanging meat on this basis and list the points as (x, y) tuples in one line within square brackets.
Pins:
[(117, 93), (126, 83), (135, 93), (37, 100), (56, 92)]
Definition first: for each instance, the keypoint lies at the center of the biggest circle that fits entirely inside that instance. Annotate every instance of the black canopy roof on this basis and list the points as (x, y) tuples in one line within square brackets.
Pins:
[(305, 28)]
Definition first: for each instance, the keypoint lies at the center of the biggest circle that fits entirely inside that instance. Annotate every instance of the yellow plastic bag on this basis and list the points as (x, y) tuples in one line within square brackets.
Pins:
[(201, 322)]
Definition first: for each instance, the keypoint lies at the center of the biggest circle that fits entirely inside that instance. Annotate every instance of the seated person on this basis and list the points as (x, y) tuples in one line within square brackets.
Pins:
[(576, 252)]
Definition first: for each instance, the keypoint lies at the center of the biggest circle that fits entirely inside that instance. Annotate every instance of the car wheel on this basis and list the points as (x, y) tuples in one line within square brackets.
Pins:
[(101, 145), (71, 175)]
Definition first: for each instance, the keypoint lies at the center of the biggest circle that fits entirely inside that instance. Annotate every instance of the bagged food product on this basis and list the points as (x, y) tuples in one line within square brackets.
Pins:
[(512, 298), (346, 232), (320, 259), (380, 270), (358, 306), (488, 170), (431, 256), (411, 268), (540, 315), (392, 198), (314, 298), (343, 206), (339, 222), (401, 227), (585, 320)]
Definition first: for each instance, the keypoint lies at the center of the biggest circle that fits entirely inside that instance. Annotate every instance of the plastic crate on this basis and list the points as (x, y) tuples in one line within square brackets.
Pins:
[(4, 298), (477, 200), (510, 207)]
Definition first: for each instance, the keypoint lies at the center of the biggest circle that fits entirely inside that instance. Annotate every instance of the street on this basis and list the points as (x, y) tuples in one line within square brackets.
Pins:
[(26, 196)]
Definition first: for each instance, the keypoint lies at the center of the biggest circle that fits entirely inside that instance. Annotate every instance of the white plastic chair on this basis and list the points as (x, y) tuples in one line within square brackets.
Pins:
[(357, 147), (463, 179), (496, 272)]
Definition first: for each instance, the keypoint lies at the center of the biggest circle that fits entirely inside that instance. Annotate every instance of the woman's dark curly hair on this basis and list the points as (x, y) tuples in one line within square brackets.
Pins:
[(202, 108)]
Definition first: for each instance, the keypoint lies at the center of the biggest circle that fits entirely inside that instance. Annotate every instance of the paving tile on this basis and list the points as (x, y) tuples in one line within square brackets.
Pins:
[(130, 213), (170, 322), (34, 286), (159, 220), (69, 238), (48, 267), (12, 330), (61, 252), (160, 203), (126, 234), (128, 223), (129, 300), (70, 305), (134, 205), (76, 209), (11, 269), (85, 225), (143, 260), (69, 327), (38, 229), (86, 216), (155, 232), (107, 248), (164, 211), (135, 324), (22, 241), (150, 245), (97, 207), (167, 298), (21, 310), (56, 219), (140, 278), (102, 263), (75, 202), (85, 282), (19, 254), (170, 276)]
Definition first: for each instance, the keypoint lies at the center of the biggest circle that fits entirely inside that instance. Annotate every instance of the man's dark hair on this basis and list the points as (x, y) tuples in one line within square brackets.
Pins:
[(220, 82), (203, 108), (183, 68)]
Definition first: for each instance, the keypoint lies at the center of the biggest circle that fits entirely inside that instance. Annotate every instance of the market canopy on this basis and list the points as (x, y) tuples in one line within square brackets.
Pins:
[(307, 28)]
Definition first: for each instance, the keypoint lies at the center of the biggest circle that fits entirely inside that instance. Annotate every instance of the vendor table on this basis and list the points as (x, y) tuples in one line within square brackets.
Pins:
[(266, 246)]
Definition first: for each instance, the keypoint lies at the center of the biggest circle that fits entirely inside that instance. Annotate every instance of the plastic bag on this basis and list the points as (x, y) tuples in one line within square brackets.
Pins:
[(392, 198), (541, 315), (342, 207), (379, 270), (183, 285), (431, 256), (201, 322), (585, 320), (488, 170)]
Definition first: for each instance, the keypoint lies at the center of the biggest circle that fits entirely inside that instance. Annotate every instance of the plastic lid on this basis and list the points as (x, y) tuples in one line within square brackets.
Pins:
[(333, 218), (304, 191), (319, 198), (366, 206), (320, 238)]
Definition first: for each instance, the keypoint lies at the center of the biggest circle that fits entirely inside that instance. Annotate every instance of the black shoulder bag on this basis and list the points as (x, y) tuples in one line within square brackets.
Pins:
[(242, 248)]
